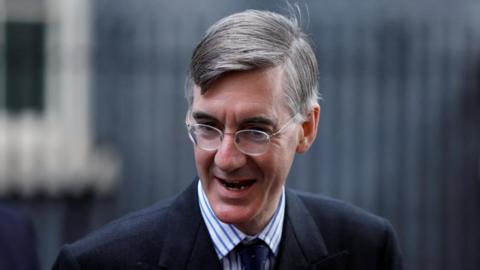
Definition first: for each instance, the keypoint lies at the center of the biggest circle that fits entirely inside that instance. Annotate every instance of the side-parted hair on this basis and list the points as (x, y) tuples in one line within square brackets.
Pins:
[(252, 40)]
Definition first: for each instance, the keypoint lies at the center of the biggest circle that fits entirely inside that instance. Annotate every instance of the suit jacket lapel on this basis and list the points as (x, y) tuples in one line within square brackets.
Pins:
[(187, 243), (303, 246)]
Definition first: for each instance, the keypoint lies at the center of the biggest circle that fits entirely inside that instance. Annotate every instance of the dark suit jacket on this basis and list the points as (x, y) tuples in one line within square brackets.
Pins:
[(319, 233), (17, 242)]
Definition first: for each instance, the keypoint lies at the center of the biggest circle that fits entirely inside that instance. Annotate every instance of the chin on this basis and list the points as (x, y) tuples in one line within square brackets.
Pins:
[(233, 214)]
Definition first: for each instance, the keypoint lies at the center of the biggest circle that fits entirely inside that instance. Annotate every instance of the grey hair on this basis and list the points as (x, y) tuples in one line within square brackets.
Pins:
[(252, 40)]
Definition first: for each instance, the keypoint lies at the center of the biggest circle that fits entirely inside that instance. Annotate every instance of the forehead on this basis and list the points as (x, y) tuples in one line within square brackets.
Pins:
[(243, 94)]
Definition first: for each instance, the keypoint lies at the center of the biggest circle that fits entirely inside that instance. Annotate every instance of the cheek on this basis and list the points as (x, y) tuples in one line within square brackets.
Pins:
[(203, 160), (279, 163), (275, 167)]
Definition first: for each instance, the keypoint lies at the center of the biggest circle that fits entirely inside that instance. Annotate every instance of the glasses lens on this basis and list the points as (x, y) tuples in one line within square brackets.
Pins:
[(252, 141), (206, 137)]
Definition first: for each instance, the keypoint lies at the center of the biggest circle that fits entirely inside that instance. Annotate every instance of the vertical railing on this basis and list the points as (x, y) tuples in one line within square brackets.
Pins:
[(2, 58)]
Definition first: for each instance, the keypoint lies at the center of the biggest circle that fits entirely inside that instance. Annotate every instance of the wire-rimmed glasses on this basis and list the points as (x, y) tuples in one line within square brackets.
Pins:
[(248, 141)]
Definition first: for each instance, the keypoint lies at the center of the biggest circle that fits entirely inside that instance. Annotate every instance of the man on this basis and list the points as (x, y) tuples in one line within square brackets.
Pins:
[(252, 106), (17, 241)]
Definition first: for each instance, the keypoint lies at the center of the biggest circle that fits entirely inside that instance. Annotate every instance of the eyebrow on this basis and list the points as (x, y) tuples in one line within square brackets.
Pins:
[(200, 115), (258, 120)]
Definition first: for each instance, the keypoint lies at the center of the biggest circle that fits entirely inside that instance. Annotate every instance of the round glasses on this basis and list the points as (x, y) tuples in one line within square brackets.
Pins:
[(248, 141)]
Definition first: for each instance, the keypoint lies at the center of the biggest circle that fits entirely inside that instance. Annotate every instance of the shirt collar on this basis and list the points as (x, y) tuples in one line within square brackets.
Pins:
[(225, 236)]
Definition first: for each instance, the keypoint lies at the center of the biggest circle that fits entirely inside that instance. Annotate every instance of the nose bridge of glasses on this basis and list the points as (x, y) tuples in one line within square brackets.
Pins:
[(234, 134), (225, 142)]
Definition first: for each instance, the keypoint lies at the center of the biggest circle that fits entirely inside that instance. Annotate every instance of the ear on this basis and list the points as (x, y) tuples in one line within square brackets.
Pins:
[(308, 131)]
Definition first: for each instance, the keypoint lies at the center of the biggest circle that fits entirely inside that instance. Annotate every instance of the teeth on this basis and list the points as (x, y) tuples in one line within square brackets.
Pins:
[(237, 185)]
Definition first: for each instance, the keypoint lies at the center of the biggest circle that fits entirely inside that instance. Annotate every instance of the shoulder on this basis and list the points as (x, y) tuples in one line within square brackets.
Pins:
[(17, 241), (330, 210), (137, 238), (11, 217), (343, 224), (369, 240), (13, 224), (131, 236)]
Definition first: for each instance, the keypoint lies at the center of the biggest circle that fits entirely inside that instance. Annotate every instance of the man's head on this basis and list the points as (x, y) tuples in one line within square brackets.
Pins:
[(252, 71), (253, 40)]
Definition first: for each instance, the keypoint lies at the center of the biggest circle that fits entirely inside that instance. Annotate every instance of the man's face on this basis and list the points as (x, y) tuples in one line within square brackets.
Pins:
[(245, 100)]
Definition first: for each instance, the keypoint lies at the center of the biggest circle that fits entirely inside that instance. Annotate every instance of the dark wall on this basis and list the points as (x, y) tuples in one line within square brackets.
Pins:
[(399, 124), (399, 129)]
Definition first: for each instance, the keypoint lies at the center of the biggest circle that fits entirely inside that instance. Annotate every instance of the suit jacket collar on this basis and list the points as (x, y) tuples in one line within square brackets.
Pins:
[(302, 245), (187, 244)]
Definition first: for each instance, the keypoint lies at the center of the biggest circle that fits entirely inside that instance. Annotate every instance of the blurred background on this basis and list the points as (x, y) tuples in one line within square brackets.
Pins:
[(92, 114)]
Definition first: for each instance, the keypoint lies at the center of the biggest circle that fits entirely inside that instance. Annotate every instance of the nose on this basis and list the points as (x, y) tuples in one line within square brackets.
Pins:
[(228, 157)]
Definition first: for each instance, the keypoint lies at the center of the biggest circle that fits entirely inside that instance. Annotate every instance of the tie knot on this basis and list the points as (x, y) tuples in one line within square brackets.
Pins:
[(253, 254)]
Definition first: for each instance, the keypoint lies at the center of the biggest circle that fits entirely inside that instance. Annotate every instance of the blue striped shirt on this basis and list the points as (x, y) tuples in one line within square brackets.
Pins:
[(225, 237)]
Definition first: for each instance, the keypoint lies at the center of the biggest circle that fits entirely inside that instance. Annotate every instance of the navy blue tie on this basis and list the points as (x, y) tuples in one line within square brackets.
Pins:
[(253, 254)]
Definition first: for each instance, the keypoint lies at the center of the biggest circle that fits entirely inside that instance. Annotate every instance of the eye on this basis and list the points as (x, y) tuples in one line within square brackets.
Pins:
[(206, 131), (204, 128), (253, 135)]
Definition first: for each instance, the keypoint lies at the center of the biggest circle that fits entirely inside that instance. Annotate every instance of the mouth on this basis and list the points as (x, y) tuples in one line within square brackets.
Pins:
[(237, 185)]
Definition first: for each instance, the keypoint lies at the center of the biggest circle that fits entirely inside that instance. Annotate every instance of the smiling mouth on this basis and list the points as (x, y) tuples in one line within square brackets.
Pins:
[(237, 185)]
